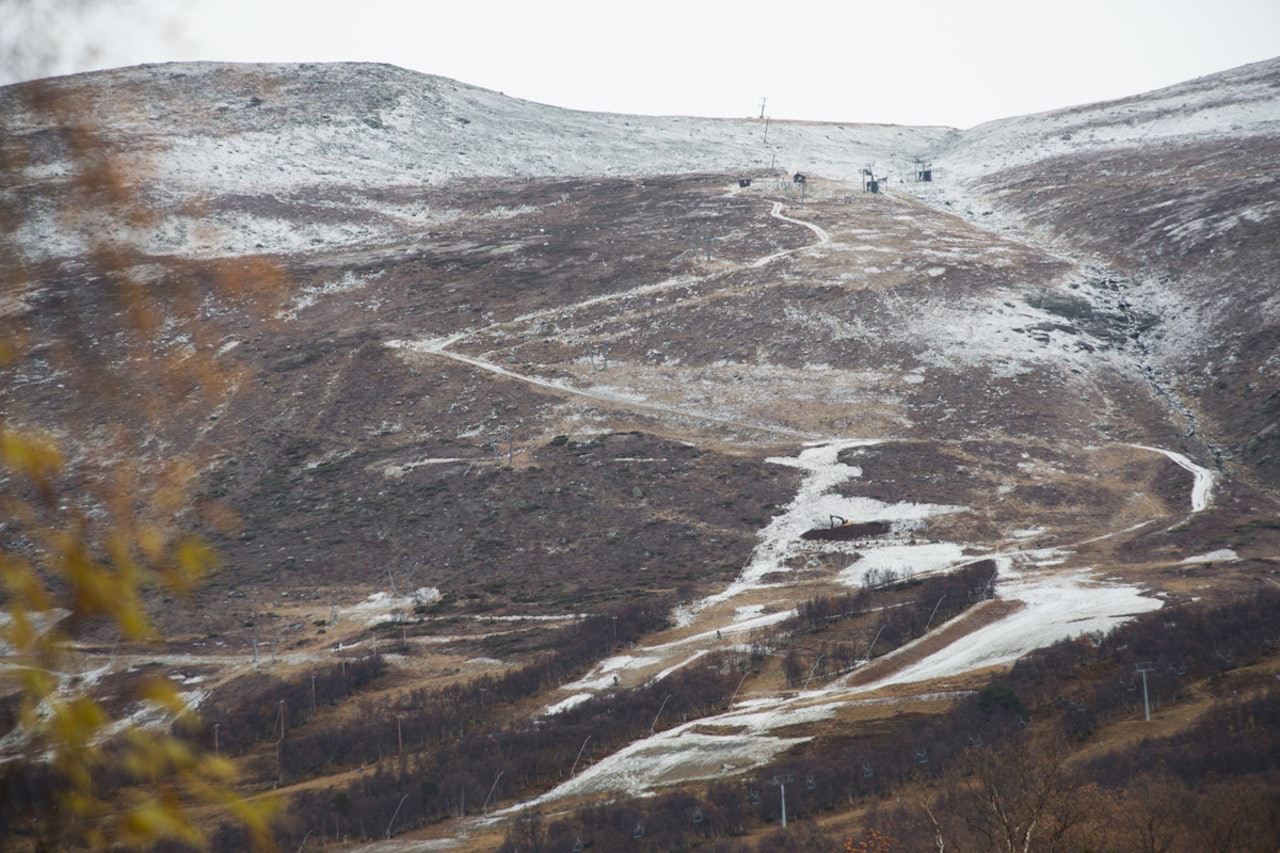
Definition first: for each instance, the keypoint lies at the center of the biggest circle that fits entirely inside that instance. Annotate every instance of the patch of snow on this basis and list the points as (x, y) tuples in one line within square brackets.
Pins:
[(566, 704), (693, 657), (308, 296), (815, 502), (678, 754), (1224, 555), (1058, 606), (377, 607), (604, 673), (1203, 478), (426, 595), (740, 625), (904, 561)]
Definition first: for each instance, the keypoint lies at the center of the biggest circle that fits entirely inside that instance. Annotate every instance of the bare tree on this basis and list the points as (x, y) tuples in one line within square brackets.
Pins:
[(1013, 797)]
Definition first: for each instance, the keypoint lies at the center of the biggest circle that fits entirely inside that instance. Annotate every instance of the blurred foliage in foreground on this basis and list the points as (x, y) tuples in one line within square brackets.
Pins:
[(96, 512)]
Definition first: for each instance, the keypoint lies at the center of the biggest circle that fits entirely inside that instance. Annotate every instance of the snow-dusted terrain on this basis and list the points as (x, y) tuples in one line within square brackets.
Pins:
[(975, 362), (296, 129)]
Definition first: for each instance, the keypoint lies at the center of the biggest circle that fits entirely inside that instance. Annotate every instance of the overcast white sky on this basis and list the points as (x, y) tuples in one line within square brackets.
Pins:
[(952, 62)]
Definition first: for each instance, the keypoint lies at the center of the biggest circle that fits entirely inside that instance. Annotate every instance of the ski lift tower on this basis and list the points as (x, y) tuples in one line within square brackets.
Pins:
[(781, 783), (1142, 669), (924, 170), (870, 183)]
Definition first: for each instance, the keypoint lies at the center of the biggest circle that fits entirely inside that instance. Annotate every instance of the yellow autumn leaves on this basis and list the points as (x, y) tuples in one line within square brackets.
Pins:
[(118, 783), (98, 508)]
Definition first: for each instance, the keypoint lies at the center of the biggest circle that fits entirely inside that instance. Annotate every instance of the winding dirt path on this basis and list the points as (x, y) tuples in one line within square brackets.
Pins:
[(776, 213), (441, 346)]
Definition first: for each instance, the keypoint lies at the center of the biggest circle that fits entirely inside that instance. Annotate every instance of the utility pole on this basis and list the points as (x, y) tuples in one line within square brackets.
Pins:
[(762, 100), (659, 714), (573, 772), (280, 748), (934, 613), (396, 814), (781, 782), (812, 671), (873, 641), (1143, 669), (485, 808), (739, 687)]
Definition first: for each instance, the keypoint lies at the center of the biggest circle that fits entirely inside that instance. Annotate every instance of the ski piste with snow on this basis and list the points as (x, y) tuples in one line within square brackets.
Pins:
[(1052, 606)]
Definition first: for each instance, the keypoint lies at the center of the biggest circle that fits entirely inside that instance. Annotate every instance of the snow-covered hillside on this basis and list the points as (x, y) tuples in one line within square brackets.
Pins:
[(282, 128), (1241, 102), (284, 158)]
